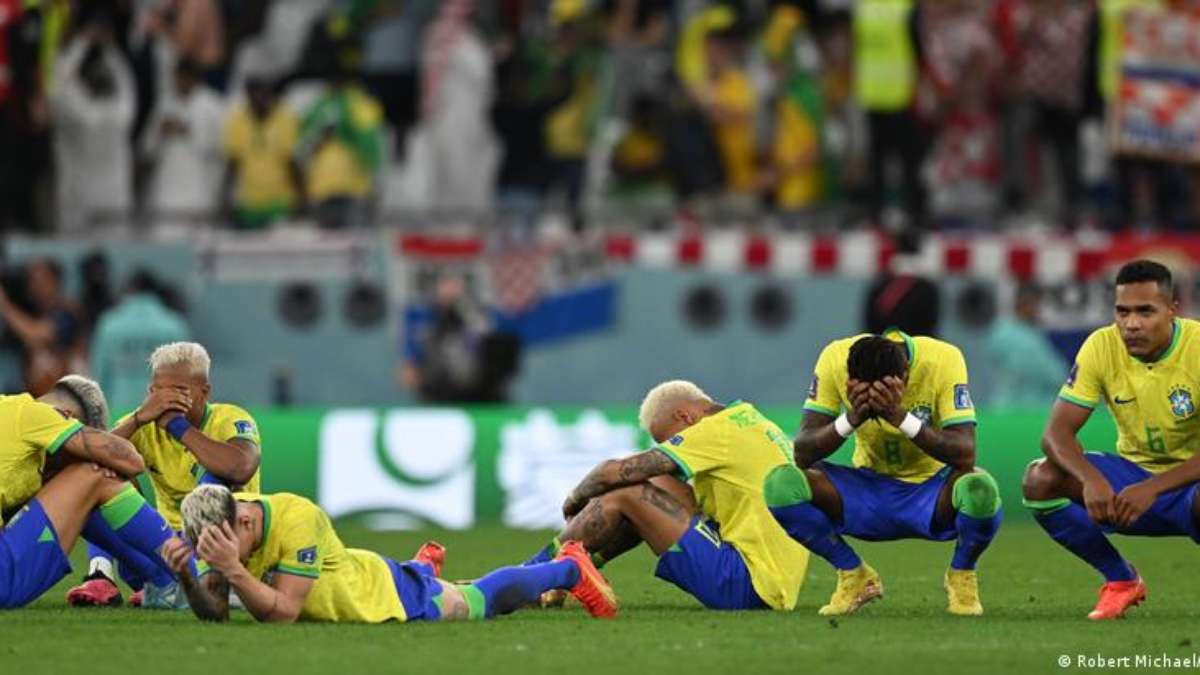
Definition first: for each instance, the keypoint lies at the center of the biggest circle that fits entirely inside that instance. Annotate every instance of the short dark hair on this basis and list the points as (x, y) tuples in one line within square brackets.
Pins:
[(1142, 271), (875, 357)]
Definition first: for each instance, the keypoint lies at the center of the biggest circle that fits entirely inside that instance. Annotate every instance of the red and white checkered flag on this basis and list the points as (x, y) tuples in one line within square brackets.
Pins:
[(517, 276)]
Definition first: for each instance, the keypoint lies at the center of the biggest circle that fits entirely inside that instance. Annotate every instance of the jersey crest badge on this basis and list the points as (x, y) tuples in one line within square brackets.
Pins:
[(1182, 405), (676, 439), (244, 427), (962, 397)]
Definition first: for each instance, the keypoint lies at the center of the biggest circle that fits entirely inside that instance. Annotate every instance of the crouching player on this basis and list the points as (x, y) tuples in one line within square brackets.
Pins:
[(723, 547), (906, 402), (1143, 367), (86, 491), (282, 557)]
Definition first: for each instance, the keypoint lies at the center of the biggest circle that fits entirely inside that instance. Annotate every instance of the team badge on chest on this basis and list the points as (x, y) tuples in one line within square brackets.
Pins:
[(1182, 405)]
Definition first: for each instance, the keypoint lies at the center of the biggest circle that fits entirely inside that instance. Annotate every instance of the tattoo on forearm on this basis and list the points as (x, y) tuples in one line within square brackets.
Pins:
[(106, 448), (662, 500), (628, 471)]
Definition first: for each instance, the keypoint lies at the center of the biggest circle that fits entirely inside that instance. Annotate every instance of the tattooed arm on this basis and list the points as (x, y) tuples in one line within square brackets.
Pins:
[(208, 596), (615, 473), (107, 450), (953, 445)]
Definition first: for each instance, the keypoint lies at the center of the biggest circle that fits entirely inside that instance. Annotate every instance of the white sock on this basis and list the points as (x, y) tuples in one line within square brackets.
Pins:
[(103, 566)]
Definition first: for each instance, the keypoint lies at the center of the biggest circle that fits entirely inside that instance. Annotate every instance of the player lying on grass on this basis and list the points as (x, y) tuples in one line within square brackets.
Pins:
[(738, 461), (82, 492), (281, 556), (186, 441), (906, 402), (1144, 368)]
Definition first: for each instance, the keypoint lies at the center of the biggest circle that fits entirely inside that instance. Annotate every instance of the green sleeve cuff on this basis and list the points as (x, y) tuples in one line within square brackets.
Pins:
[(71, 430), (815, 407), (1077, 401), (684, 470), (959, 419), (309, 572)]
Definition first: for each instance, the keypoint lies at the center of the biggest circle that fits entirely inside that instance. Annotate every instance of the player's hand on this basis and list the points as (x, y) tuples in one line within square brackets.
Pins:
[(1132, 502), (886, 395), (1099, 500), (159, 402), (107, 472), (178, 555), (218, 546), (165, 418), (859, 395)]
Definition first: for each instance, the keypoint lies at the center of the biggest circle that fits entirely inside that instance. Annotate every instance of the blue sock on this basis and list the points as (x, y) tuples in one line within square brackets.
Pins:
[(1071, 527), (811, 527), (130, 530), (974, 536), (511, 588), (546, 554)]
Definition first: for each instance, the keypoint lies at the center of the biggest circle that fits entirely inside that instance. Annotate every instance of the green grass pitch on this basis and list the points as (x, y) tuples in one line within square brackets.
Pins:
[(1035, 597)]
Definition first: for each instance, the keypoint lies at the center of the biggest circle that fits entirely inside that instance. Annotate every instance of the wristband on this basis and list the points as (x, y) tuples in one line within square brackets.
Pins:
[(842, 426), (911, 426), (178, 427)]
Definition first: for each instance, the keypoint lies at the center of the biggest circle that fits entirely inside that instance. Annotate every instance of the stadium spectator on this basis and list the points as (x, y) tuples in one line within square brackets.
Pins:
[(92, 104), (182, 146), (575, 59), (391, 51), (49, 330), (639, 159), (96, 292), (728, 98), (195, 29), (886, 58), (125, 337), (262, 179), (456, 94), (1027, 369), (341, 137), (1051, 40)]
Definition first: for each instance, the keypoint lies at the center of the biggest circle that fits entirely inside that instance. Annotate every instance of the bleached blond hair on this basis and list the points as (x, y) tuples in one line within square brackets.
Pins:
[(206, 505), (90, 397), (190, 354), (663, 399)]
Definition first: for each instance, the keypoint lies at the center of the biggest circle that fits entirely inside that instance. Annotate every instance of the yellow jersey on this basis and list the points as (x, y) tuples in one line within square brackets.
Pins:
[(174, 472), (736, 139), (262, 151), (1154, 404), (936, 392), (728, 457), (29, 431), (351, 585)]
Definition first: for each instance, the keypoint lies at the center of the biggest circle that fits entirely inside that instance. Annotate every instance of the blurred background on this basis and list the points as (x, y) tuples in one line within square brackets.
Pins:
[(451, 244)]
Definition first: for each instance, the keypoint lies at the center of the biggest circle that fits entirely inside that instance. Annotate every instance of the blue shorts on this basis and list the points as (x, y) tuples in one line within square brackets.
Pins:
[(881, 508), (31, 561), (709, 569), (1169, 516), (419, 590)]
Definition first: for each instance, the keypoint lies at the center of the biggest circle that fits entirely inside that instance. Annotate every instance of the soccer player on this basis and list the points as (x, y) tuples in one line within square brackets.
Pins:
[(186, 441), (282, 557), (1143, 367), (738, 462), (907, 404), (86, 491)]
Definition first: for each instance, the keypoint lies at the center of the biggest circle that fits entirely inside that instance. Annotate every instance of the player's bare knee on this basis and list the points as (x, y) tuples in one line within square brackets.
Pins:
[(1041, 480)]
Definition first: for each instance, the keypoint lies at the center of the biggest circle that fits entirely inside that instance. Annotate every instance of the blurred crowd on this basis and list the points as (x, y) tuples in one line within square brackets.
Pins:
[(930, 113)]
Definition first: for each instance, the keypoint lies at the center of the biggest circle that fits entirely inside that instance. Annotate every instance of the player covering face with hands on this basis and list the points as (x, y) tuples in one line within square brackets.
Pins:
[(282, 557), (905, 401)]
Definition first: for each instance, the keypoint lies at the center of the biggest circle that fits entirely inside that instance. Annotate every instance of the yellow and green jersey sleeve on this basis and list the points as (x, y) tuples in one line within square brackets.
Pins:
[(954, 403), (698, 449), (827, 393), (1084, 386), (29, 432), (349, 585)]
